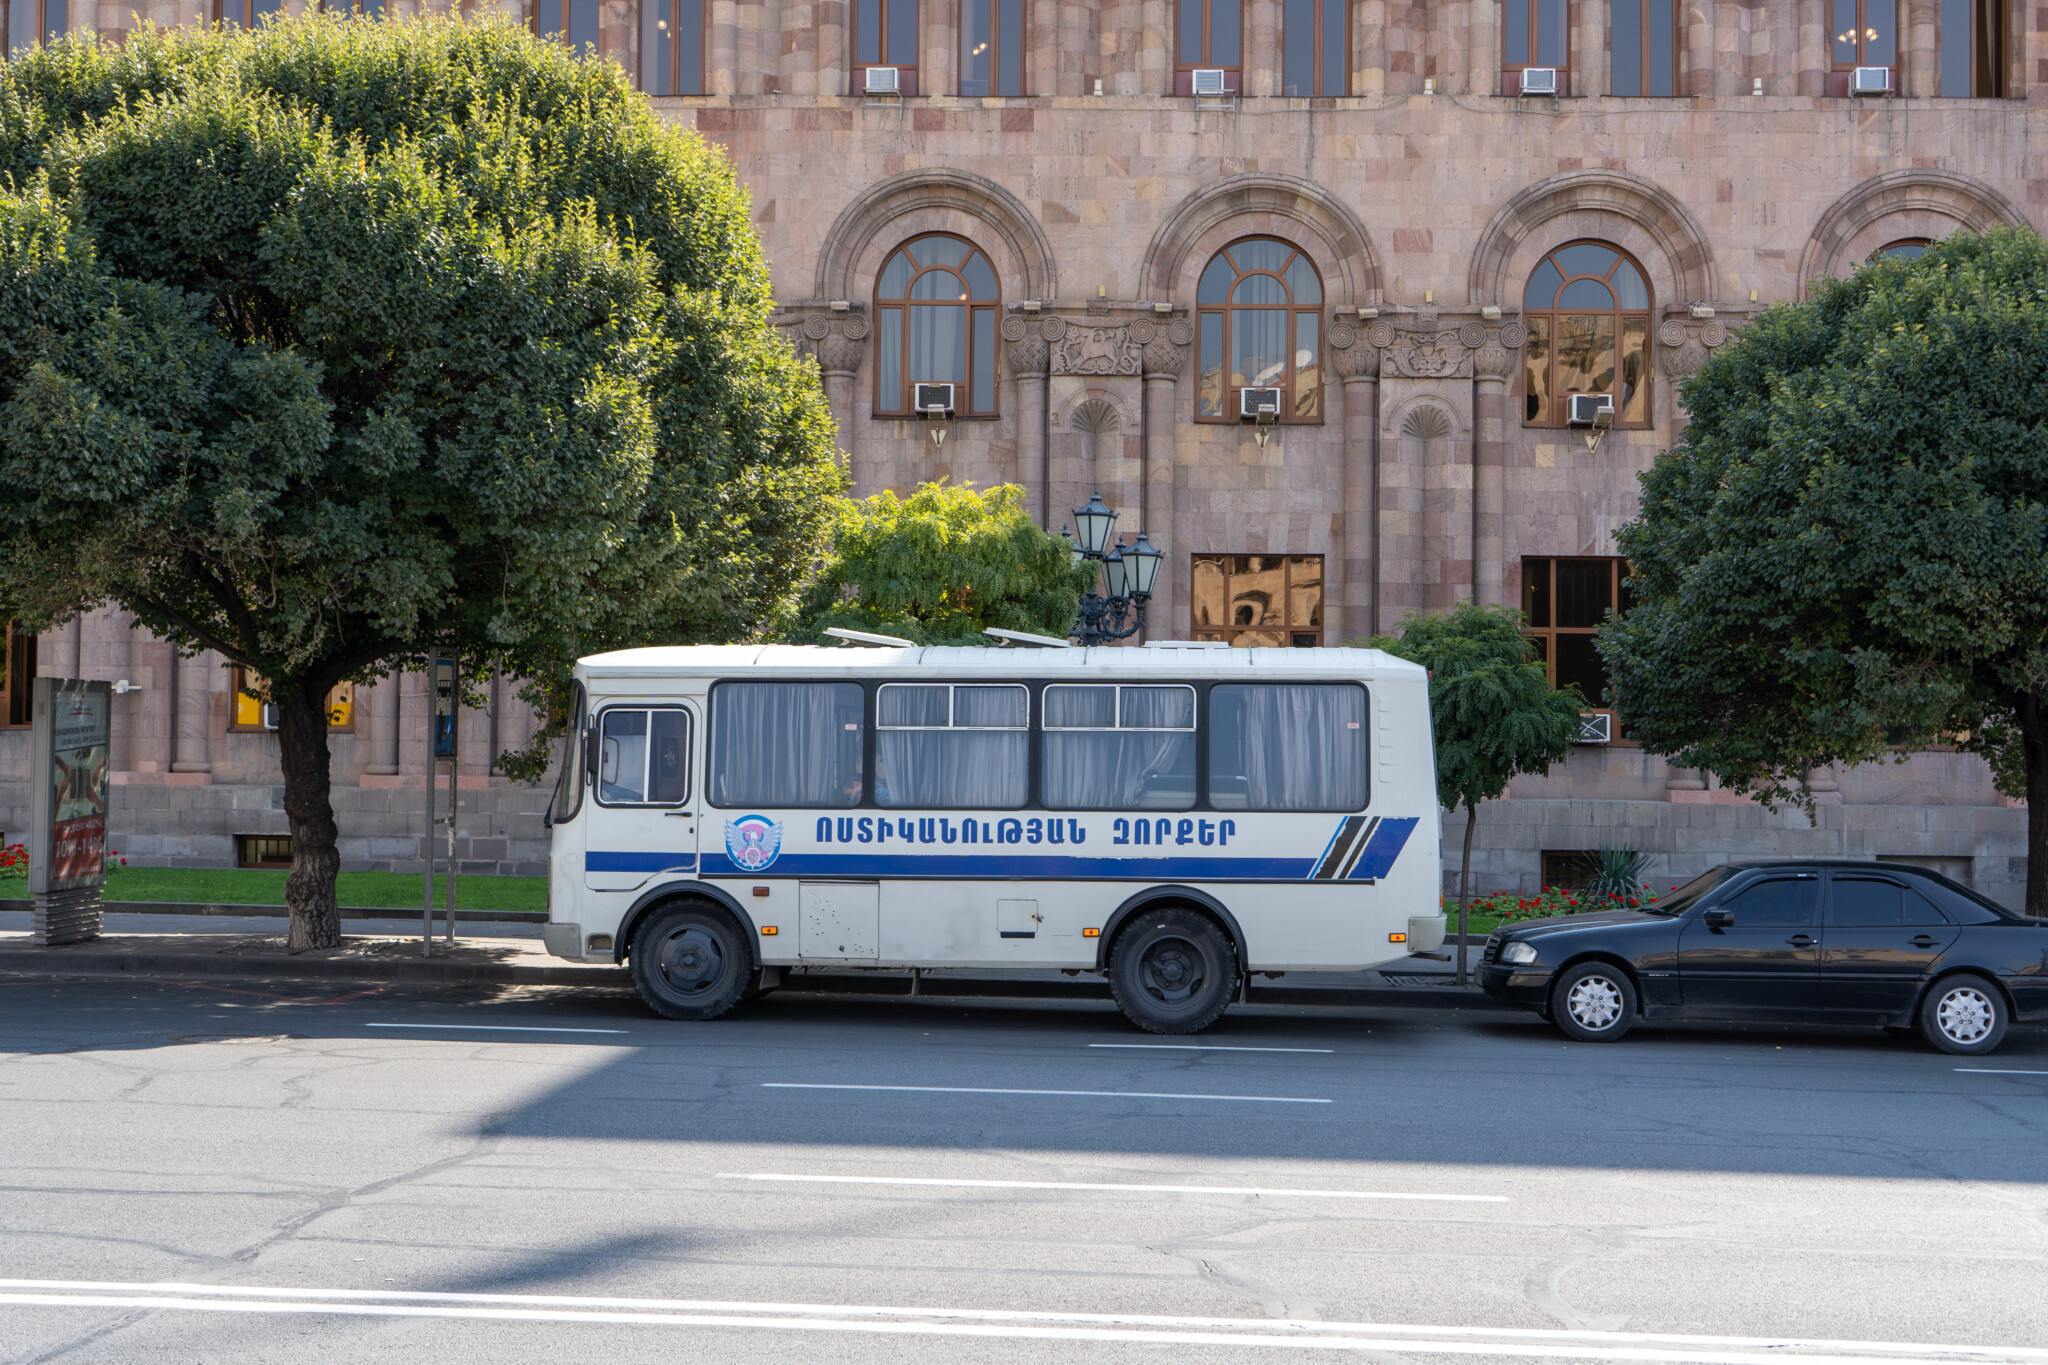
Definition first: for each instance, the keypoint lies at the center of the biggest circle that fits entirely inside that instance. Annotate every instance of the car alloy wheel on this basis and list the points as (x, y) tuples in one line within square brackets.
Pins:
[(1965, 1016), (1595, 1003)]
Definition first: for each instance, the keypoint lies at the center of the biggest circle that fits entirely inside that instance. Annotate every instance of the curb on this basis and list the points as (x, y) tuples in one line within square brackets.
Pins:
[(55, 962), (279, 912)]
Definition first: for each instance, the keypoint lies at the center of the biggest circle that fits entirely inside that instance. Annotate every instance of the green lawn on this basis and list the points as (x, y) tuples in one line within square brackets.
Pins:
[(371, 890)]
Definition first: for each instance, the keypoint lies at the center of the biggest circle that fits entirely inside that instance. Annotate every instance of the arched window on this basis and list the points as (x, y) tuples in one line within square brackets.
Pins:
[(1905, 249), (1587, 309), (935, 323), (1261, 314)]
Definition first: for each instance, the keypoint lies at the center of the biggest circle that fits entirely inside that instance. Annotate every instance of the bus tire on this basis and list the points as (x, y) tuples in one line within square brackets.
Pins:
[(1172, 971), (690, 962)]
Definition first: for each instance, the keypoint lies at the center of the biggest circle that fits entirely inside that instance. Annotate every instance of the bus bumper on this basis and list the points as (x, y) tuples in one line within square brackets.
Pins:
[(563, 940), (1425, 933)]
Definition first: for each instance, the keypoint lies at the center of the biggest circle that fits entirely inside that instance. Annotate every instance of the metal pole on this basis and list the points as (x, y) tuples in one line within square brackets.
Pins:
[(454, 785), (427, 838)]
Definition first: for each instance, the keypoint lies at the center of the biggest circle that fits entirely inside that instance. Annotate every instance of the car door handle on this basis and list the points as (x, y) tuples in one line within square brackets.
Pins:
[(1924, 940), (1801, 940)]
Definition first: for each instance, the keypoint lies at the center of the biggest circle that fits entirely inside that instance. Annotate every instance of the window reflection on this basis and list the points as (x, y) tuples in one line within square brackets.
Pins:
[(1260, 313), (1587, 311), (935, 322)]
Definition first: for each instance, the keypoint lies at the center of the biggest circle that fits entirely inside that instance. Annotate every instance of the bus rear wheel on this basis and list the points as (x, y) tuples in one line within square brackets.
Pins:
[(1172, 971), (690, 962)]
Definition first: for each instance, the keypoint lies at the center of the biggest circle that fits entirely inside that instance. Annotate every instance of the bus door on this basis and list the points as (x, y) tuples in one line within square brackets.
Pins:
[(644, 821)]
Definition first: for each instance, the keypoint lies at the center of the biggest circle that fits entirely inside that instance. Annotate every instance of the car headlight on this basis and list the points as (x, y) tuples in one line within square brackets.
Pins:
[(1518, 953)]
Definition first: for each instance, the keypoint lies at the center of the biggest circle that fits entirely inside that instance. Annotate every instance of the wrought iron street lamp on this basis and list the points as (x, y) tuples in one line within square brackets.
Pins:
[(1128, 575)]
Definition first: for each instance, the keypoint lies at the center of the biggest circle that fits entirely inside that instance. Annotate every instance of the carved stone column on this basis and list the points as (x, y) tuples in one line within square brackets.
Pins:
[(1698, 41), (1815, 51), (1491, 365), (839, 341), (1682, 346), (1166, 351), (1357, 581), (193, 756), (1027, 358)]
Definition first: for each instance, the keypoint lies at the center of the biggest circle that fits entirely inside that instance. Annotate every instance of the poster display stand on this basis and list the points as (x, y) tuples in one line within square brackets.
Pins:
[(68, 788)]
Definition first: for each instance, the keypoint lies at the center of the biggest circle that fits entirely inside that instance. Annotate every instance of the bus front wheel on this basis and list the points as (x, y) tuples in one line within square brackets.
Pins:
[(1172, 971), (690, 962)]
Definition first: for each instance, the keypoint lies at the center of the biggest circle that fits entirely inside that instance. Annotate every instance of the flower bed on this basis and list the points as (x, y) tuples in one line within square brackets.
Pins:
[(1514, 907)]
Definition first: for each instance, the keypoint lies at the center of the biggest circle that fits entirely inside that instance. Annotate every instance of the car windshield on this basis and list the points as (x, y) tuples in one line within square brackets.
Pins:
[(1685, 897)]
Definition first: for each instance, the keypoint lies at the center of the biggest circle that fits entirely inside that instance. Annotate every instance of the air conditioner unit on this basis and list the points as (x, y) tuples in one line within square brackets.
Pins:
[(1259, 405), (1870, 80), (1589, 410), (268, 716), (1596, 727), (882, 80), (1539, 80), (936, 399), (1209, 81)]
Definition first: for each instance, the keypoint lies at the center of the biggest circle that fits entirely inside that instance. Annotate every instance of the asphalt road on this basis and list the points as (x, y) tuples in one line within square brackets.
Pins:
[(339, 1175)]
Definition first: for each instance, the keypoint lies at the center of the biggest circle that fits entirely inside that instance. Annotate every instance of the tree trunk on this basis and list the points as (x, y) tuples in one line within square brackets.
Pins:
[(1465, 885), (308, 804), (2036, 750)]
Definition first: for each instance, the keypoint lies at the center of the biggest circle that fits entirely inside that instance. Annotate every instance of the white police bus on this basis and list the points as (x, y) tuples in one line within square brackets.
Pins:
[(1175, 818)]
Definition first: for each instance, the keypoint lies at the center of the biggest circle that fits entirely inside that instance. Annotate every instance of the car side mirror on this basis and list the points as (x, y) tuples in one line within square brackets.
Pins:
[(1717, 920)]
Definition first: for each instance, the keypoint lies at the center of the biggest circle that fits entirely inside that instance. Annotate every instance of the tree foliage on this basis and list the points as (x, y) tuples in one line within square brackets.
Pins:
[(940, 566), (1495, 714), (1848, 549), (334, 343)]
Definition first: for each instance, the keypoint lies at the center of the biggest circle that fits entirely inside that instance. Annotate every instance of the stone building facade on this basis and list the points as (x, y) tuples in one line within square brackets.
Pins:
[(1421, 457)]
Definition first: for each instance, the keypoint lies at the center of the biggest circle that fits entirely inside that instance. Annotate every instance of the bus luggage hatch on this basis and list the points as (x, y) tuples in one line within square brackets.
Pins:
[(839, 919)]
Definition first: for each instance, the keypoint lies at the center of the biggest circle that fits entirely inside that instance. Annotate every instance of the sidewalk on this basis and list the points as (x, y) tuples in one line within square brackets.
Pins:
[(511, 954)]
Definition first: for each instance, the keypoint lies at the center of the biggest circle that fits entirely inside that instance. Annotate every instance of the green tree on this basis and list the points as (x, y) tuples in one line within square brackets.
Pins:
[(335, 343), (1848, 550), (1492, 708), (940, 566)]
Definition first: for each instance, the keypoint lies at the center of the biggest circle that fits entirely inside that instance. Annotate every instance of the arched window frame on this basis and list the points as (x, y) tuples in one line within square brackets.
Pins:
[(1544, 328), (1908, 247), (980, 346), (1216, 330)]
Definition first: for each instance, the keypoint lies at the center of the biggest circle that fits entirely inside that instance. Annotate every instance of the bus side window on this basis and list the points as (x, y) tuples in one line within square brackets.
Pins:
[(787, 744), (1111, 747), (1287, 747), (643, 757)]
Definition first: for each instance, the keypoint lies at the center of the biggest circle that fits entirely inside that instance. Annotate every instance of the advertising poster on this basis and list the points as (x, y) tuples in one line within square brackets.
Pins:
[(70, 797)]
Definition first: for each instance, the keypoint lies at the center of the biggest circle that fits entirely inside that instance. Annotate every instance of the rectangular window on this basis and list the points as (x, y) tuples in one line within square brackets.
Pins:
[(1287, 746), (263, 850), (1534, 33), (33, 23), (1644, 36), (672, 48), (1564, 604), (572, 23), (1972, 41), (643, 757), (1315, 48), (244, 13), (1119, 748), (786, 744), (1209, 36), (991, 47), (945, 746), (885, 34), (1259, 601), (1866, 33), (250, 712), (17, 687)]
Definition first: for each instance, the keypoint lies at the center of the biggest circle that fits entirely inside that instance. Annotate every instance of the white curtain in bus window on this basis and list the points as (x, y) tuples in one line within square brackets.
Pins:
[(944, 747), (1275, 746), (785, 744), (1119, 748)]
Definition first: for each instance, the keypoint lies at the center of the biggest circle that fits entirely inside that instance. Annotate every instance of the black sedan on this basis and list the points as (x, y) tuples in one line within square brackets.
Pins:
[(1822, 942)]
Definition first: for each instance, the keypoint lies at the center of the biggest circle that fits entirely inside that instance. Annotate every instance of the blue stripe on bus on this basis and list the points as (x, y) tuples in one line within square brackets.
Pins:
[(1389, 837), (1016, 866), (595, 861)]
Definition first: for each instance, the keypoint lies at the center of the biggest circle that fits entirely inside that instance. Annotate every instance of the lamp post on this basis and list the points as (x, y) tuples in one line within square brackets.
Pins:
[(1128, 573)]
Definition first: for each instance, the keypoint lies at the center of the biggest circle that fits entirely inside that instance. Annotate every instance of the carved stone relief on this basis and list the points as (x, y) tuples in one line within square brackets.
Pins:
[(1077, 346), (1421, 347), (837, 341), (1683, 344)]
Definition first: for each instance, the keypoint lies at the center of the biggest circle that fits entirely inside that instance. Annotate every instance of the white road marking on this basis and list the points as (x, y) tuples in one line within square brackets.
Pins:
[(1082, 1185), (1098, 1094), (1996, 1071), (1275, 1333), (1207, 1047), (501, 1028)]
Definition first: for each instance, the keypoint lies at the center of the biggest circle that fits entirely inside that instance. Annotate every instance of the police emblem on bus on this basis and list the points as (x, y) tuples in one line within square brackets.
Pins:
[(753, 841)]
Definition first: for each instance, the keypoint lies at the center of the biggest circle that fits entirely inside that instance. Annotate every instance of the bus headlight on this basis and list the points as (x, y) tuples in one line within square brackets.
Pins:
[(1516, 954)]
